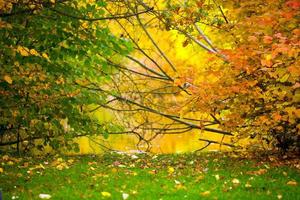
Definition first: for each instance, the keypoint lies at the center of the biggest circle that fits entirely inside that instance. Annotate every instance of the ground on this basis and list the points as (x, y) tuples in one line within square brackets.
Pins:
[(153, 177)]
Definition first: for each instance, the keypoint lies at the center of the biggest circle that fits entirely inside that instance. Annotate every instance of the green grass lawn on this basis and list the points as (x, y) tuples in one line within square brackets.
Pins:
[(184, 176)]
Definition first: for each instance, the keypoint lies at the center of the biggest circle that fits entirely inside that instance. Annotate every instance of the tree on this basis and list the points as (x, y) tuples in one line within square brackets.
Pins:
[(48, 50), (255, 91), (253, 88), (242, 82)]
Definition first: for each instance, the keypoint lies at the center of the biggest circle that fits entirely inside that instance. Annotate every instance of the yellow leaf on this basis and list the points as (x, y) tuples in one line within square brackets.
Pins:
[(41, 166), (1, 170), (34, 52), (8, 79), (284, 173), (152, 172), (60, 167), (23, 51), (284, 78), (5, 157), (180, 187), (292, 183), (134, 174), (268, 57), (206, 193), (10, 163), (85, 25), (52, 1), (258, 172), (44, 55), (171, 170), (70, 161), (248, 185), (92, 168), (235, 181), (199, 178), (105, 194)]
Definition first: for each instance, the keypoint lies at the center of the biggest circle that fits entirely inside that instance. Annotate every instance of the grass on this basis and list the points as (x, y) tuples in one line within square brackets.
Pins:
[(181, 176)]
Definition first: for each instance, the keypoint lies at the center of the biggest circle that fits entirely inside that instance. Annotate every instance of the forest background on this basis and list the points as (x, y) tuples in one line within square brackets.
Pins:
[(160, 76)]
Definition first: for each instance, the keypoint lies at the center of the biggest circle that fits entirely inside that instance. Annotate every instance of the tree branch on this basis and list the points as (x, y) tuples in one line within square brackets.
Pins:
[(123, 16)]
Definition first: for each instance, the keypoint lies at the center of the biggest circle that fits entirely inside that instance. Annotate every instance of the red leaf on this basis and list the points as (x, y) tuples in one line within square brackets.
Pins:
[(293, 4)]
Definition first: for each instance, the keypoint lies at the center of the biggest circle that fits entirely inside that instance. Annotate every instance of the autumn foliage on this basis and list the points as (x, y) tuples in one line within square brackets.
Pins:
[(257, 91), (58, 58)]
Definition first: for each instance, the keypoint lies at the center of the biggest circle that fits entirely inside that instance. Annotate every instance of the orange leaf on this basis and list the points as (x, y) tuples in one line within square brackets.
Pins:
[(252, 38), (277, 116), (267, 39), (267, 63)]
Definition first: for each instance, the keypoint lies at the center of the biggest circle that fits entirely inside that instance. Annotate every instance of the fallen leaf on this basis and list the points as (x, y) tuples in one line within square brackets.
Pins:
[(134, 192), (92, 168), (59, 167), (41, 166), (134, 174), (10, 163), (180, 187), (279, 196), (5, 157), (206, 193), (1, 170), (114, 170), (125, 196), (199, 178), (171, 170), (44, 196), (70, 161), (152, 171), (292, 183), (257, 172), (93, 163), (284, 173), (235, 181), (105, 194), (62, 166), (25, 164), (248, 185)]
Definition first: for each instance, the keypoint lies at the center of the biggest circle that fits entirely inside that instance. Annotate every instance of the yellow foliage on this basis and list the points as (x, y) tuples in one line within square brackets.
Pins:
[(34, 52), (105, 194), (24, 51), (8, 79)]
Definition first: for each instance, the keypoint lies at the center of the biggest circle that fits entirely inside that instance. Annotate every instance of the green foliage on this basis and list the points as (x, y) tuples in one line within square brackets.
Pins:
[(49, 59)]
